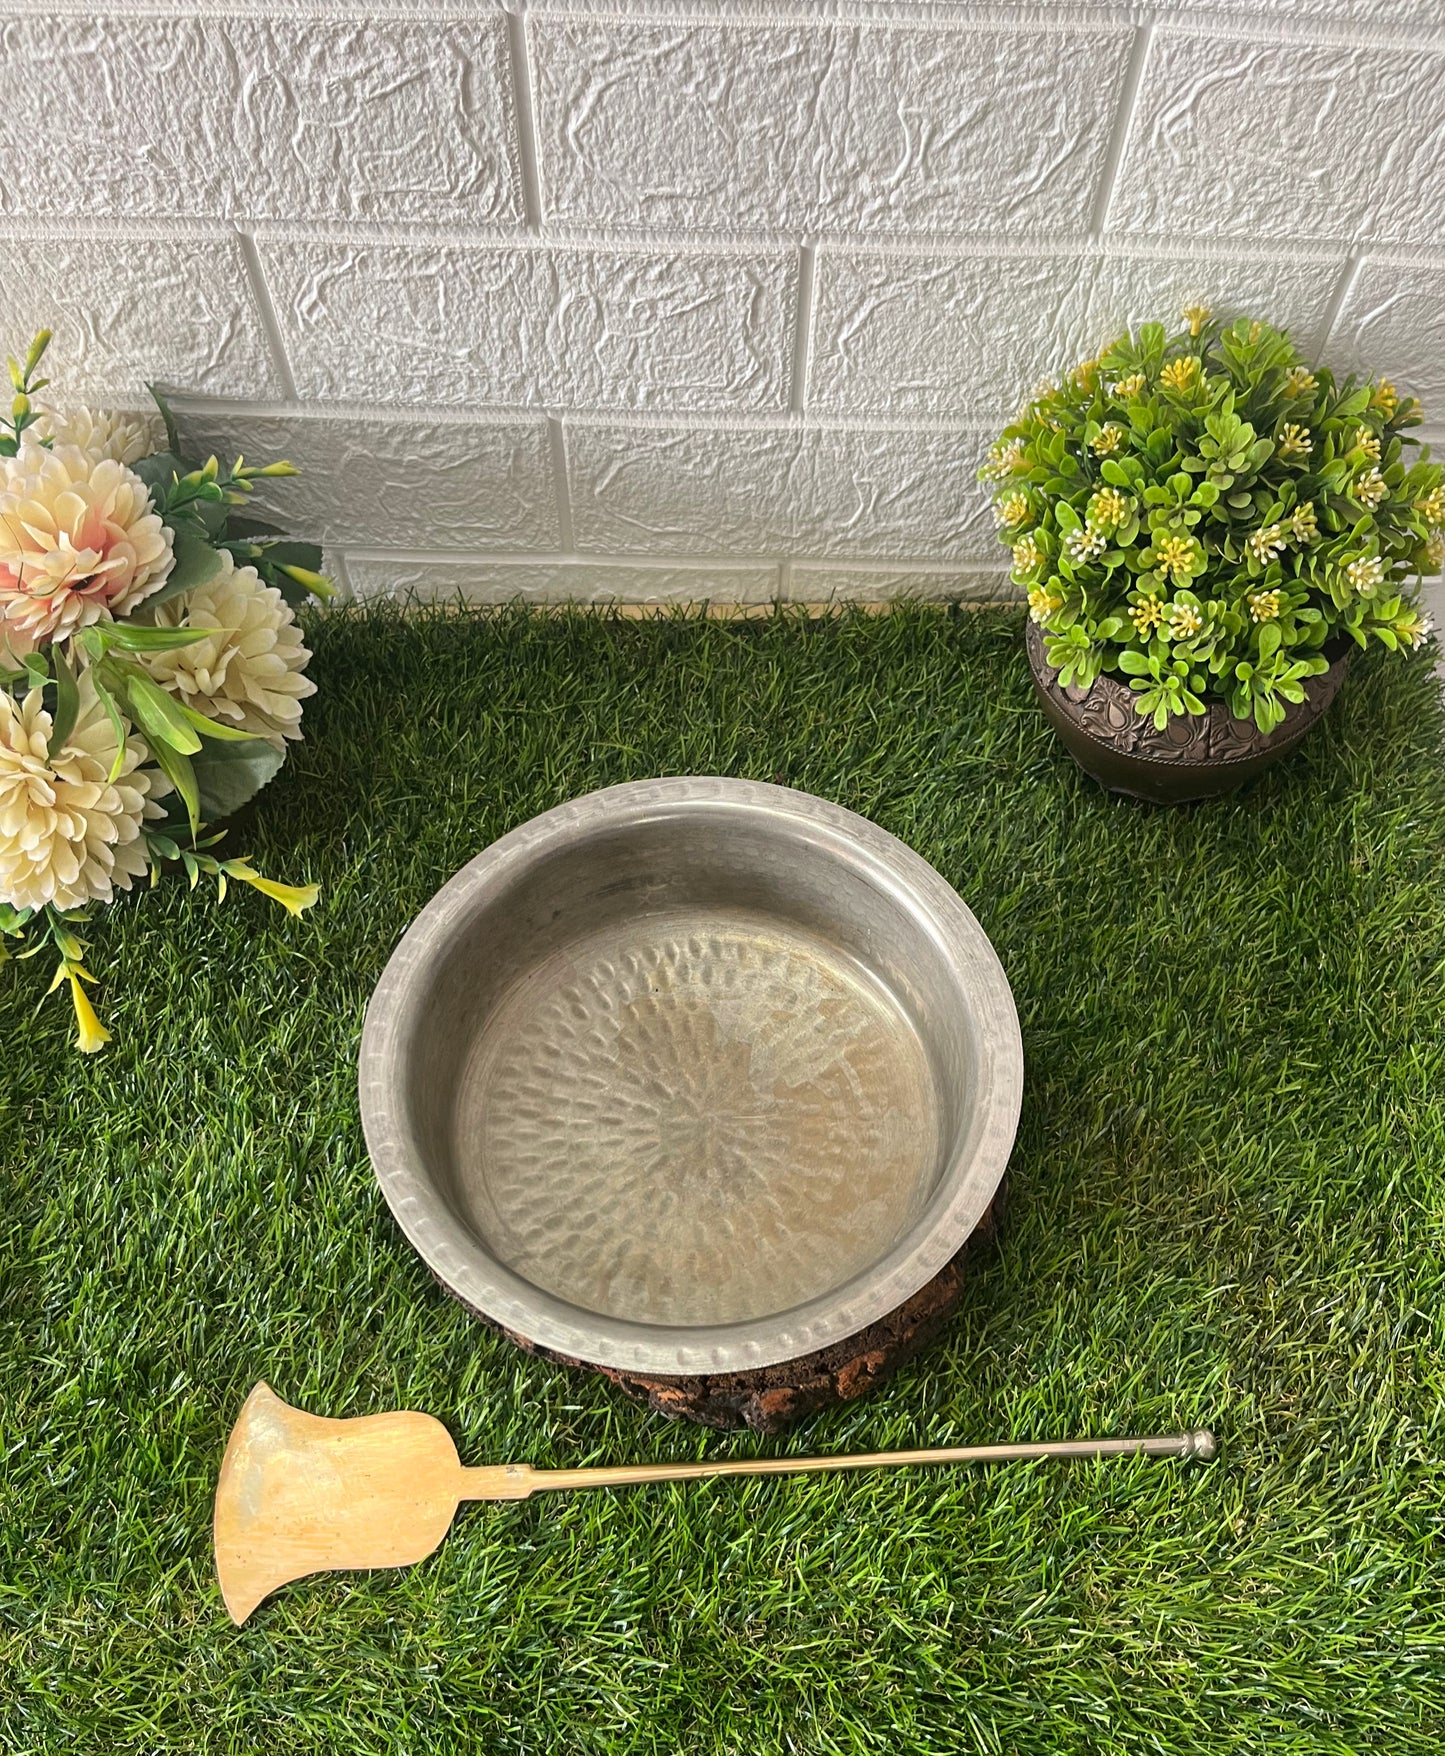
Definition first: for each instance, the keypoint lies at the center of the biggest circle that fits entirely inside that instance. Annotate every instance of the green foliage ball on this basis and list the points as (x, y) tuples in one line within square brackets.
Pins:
[(1206, 514)]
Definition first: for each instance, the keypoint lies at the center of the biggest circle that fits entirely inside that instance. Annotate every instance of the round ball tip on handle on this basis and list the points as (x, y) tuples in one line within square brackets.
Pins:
[(1201, 1445)]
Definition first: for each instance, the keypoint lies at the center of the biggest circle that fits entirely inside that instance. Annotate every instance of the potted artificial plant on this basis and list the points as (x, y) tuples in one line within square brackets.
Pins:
[(1207, 528)]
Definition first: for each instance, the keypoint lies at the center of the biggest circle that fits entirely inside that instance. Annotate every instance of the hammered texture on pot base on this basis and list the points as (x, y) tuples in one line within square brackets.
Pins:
[(676, 1116), (1195, 756), (691, 1077), (775, 1398)]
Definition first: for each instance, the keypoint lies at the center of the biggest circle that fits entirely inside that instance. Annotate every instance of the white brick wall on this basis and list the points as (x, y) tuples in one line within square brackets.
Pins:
[(676, 299)]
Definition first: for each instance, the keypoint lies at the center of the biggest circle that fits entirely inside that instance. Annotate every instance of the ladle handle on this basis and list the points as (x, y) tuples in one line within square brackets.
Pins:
[(517, 1481)]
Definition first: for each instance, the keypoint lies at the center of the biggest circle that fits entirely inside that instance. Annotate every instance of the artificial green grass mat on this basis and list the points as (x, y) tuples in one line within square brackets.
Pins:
[(1226, 1211)]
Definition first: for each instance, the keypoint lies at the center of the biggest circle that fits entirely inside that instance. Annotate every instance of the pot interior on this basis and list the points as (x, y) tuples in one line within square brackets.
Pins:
[(693, 1070)]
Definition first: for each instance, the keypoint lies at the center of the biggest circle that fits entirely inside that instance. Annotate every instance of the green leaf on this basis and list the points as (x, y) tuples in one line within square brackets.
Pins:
[(197, 563), (67, 704), (231, 774), (211, 728), (170, 420), (158, 471), (134, 637), (160, 718), (117, 720), (182, 776)]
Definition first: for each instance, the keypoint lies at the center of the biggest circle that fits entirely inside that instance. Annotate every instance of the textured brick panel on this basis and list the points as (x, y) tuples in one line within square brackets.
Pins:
[(581, 328), (778, 491), (695, 124), (1393, 323), (821, 582), (1130, 290), (552, 582), (402, 484), (1262, 140), (268, 118), (127, 310), (909, 334)]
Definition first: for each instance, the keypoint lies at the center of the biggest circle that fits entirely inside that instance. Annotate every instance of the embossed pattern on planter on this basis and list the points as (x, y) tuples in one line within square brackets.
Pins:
[(1107, 712), (696, 1121)]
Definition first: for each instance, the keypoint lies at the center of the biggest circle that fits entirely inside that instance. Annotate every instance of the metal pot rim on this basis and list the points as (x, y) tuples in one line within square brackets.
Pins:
[(478, 1279)]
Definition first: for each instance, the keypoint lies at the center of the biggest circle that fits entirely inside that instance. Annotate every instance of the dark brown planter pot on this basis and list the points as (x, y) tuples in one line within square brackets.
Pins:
[(1194, 757)]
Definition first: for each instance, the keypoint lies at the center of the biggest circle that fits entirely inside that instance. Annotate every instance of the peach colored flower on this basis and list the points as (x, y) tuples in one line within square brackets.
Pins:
[(78, 543)]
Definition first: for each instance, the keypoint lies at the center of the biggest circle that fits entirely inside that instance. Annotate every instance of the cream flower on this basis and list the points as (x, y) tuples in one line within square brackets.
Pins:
[(1125, 389), (1184, 622), (1366, 574), (1264, 606), (68, 834), (1108, 440), (78, 542), (103, 432), (1012, 510), (1174, 554), (1043, 603), (1432, 507), (1369, 443), (1385, 397), (1299, 381), (1179, 375), (1369, 489), (1304, 526), (1084, 544), (1435, 551), (1108, 508), (1266, 542), (1004, 457), (1294, 442), (1027, 554), (1147, 614), (248, 673)]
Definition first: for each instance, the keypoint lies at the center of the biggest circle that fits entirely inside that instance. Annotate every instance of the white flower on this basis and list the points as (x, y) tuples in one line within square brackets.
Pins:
[(1366, 574), (68, 833), (1304, 526), (1012, 510), (78, 542), (1369, 489), (1004, 457), (249, 673), (1266, 542), (1184, 621), (1084, 543), (1027, 554), (101, 433), (1264, 606)]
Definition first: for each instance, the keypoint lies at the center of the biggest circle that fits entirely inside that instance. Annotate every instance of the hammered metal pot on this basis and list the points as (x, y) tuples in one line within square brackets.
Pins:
[(1196, 756), (691, 1076)]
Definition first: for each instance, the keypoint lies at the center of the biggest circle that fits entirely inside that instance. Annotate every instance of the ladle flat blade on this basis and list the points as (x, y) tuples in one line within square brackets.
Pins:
[(301, 1494)]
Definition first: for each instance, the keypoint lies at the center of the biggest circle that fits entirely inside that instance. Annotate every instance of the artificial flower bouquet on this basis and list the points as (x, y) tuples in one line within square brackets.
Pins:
[(151, 667), (1203, 513)]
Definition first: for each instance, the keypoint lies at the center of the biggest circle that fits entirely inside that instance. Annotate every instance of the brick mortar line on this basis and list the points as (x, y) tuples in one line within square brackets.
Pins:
[(581, 240), (1033, 20), (561, 480), (1339, 298), (570, 558), (804, 317), (1126, 110), (524, 119), (266, 315)]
